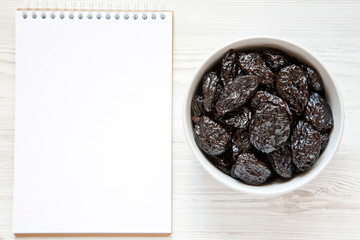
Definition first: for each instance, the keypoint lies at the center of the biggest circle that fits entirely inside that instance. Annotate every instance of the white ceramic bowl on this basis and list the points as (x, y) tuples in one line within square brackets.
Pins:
[(332, 95)]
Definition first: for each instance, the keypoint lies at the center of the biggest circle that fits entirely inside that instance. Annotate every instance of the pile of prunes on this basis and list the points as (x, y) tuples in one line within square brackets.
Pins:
[(260, 114)]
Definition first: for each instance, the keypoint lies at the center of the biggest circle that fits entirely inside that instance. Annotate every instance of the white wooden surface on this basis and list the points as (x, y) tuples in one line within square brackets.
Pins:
[(326, 208)]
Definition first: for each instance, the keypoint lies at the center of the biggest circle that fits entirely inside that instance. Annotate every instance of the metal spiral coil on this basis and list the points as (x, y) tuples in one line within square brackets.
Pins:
[(97, 11)]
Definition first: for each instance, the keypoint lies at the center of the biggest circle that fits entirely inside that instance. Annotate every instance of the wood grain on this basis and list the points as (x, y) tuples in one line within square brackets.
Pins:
[(326, 208)]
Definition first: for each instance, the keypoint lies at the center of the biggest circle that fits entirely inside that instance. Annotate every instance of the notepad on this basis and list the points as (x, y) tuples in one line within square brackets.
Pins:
[(93, 113)]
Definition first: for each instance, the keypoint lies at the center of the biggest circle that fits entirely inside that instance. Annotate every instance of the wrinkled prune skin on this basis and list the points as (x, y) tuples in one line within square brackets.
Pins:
[(219, 160), (239, 120), (240, 143), (318, 113), (252, 63), (275, 58), (210, 136), (222, 162), (250, 170), (197, 108), (324, 140), (269, 128), (305, 145), (210, 89), (262, 97), (236, 93), (292, 85), (223, 169), (229, 66), (314, 79), (281, 162)]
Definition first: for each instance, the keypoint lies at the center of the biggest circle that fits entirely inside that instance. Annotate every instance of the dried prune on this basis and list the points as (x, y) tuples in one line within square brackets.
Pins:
[(319, 113), (269, 128), (210, 89), (224, 79), (315, 81), (210, 136), (197, 108), (238, 120), (250, 170), (252, 63), (219, 159), (324, 140), (262, 97), (240, 143), (275, 58), (236, 93), (222, 162), (223, 169), (229, 67), (291, 84), (281, 161), (305, 145)]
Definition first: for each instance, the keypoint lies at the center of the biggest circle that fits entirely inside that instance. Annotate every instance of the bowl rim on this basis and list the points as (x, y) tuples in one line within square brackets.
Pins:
[(214, 172)]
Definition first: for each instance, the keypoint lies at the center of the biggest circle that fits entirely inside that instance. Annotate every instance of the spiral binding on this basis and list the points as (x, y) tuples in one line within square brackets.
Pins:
[(109, 10)]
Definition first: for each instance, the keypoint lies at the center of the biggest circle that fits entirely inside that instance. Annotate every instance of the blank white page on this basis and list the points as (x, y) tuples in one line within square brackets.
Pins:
[(93, 124)]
